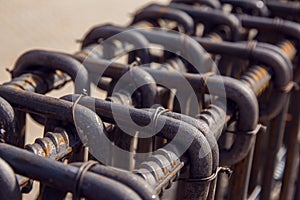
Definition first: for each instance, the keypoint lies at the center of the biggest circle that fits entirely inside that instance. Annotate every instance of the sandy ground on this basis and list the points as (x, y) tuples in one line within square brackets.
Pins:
[(53, 25)]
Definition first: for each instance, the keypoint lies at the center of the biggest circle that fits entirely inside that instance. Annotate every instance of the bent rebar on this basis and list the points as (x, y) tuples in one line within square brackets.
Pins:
[(9, 187), (172, 42), (62, 110), (210, 3), (53, 61), (108, 33), (153, 13), (8, 129), (217, 17), (169, 130), (282, 72), (62, 176)]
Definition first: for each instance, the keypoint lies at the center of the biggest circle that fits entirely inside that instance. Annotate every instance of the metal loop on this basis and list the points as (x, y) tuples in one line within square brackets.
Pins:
[(251, 132), (84, 93), (278, 22), (79, 178), (205, 77), (158, 111), (289, 87), (251, 45), (210, 178)]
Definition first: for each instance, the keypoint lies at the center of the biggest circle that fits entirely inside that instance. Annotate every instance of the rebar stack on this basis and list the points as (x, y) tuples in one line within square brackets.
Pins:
[(202, 102)]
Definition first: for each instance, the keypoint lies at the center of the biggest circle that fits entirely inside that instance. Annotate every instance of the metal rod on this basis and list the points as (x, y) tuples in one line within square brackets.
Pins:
[(9, 187), (62, 176)]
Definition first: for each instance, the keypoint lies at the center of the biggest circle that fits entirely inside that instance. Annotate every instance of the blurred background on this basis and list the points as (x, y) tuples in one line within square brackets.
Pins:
[(54, 25)]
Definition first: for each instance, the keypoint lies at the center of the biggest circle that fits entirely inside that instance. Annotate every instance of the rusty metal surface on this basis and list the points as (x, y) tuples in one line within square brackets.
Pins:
[(228, 74)]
